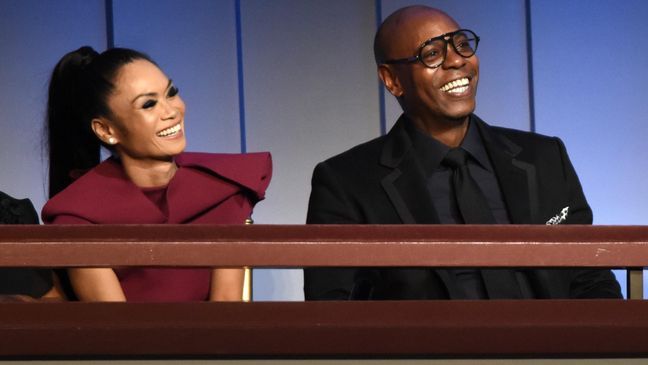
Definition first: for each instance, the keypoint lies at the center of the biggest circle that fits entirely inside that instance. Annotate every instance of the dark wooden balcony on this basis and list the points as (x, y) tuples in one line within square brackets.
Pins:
[(391, 329)]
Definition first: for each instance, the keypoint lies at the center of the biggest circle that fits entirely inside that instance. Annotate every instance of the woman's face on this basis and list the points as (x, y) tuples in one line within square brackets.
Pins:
[(147, 113)]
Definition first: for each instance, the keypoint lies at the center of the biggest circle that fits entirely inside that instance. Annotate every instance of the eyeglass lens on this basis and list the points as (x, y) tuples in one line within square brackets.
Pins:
[(433, 53)]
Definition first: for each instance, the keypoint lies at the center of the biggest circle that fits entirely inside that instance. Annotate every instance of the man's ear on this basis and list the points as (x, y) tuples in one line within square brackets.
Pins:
[(390, 80), (104, 130)]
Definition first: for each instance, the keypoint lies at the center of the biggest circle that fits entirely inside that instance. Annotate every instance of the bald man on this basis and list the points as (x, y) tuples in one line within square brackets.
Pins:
[(441, 164)]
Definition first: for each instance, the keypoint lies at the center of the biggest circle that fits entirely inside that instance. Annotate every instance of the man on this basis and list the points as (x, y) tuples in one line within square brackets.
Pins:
[(441, 164)]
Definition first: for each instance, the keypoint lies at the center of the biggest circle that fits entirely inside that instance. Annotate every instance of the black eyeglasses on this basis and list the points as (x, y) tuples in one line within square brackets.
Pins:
[(432, 53)]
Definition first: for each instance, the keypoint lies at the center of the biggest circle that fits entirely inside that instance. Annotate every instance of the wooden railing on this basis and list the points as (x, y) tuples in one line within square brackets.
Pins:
[(391, 328)]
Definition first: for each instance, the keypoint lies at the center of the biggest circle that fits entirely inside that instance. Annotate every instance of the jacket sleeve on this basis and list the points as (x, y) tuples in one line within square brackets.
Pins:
[(579, 212), (585, 283), (328, 204), (594, 284)]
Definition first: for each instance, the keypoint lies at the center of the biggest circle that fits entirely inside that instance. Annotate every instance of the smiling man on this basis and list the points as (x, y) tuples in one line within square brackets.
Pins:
[(441, 164)]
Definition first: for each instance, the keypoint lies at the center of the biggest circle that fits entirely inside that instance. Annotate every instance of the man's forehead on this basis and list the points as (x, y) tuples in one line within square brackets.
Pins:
[(410, 29), (427, 22)]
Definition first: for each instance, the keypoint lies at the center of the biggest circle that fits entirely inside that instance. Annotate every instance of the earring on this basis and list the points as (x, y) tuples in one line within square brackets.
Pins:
[(112, 140)]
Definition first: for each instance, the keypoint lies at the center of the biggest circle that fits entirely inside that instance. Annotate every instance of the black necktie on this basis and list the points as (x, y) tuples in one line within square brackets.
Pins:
[(471, 202), (474, 209)]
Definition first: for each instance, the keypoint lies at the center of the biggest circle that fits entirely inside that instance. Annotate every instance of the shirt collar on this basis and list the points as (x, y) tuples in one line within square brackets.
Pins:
[(431, 152), (428, 151), (474, 144)]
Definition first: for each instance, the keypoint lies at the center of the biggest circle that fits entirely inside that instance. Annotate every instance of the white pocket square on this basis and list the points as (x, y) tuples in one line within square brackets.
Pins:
[(559, 218)]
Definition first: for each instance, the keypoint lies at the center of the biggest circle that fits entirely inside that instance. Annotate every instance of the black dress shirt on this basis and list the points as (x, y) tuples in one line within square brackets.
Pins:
[(430, 152)]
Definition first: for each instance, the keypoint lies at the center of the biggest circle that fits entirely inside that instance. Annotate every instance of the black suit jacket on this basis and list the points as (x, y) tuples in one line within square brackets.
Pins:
[(30, 282), (382, 182)]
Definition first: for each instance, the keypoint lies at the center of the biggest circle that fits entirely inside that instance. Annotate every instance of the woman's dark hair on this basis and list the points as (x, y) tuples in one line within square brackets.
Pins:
[(78, 92)]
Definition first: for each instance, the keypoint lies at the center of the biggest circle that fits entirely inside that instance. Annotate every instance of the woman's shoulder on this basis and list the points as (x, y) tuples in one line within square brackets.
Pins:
[(251, 170), (91, 193), (94, 180)]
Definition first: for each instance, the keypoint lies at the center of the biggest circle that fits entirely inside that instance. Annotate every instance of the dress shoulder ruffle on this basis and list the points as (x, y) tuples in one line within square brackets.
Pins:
[(250, 170), (105, 195)]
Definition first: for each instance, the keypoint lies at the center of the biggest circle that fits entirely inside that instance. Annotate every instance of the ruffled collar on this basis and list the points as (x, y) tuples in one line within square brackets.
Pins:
[(105, 195)]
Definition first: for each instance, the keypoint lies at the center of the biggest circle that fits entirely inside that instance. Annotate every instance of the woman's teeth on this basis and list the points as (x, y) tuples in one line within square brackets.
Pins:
[(169, 131)]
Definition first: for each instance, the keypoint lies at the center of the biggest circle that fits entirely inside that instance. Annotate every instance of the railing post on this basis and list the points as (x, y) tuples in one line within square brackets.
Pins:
[(635, 282), (247, 274), (247, 284)]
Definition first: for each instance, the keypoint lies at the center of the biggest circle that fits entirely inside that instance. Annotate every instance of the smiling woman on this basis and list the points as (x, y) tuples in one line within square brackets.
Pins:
[(122, 100)]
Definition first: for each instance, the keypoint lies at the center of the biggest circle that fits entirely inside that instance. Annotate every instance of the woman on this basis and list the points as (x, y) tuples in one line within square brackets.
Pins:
[(122, 100)]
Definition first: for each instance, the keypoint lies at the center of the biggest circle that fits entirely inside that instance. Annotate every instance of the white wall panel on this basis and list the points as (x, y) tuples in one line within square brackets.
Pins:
[(502, 96), (310, 93), (34, 35), (195, 44)]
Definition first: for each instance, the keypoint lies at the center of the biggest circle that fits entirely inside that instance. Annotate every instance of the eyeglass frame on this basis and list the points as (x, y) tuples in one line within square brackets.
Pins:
[(447, 38)]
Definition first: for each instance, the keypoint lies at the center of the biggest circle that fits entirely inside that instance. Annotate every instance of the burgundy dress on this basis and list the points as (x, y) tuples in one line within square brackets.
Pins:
[(206, 189)]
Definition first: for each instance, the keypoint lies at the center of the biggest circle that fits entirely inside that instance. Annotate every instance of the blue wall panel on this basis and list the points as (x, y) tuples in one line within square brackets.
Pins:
[(589, 67), (590, 60)]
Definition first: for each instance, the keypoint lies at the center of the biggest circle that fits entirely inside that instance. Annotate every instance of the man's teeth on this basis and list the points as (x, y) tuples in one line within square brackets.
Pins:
[(456, 86), (169, 131)]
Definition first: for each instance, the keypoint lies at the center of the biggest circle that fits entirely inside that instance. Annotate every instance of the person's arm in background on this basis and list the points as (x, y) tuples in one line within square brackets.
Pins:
[(226, 285), (25, 284)]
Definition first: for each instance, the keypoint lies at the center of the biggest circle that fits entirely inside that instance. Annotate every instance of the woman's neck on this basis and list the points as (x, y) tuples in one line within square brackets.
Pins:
[(149, 173)]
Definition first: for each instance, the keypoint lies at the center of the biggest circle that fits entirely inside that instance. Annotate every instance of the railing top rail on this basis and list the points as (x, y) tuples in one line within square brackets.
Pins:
[(324, 245)]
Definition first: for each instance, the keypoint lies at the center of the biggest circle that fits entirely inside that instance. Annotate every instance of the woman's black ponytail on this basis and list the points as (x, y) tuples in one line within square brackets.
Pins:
[(72, 144)]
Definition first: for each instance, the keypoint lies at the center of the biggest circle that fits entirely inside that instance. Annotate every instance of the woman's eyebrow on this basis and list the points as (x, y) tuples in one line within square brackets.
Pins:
[(152, 93)]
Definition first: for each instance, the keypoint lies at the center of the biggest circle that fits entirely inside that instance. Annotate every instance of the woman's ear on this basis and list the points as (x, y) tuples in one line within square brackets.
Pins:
[(390, 80), (104, 131)]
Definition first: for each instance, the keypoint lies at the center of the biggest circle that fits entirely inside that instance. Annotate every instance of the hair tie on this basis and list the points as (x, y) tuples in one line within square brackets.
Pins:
[(86, 56)]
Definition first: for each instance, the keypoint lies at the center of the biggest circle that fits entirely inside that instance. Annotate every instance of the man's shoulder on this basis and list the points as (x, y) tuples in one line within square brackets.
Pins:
[(530, 146), (521, 136), (361, 154), (524, 141)]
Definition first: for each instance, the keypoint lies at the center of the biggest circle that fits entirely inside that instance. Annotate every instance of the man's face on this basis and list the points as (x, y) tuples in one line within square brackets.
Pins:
[(435, 94)]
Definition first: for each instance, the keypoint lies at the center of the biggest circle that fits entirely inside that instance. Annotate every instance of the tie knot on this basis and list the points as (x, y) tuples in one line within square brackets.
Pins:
[(456, 157)]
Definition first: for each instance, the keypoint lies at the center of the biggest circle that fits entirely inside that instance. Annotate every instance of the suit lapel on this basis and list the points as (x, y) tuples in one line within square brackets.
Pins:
[(406, 185), (517, 178)]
